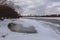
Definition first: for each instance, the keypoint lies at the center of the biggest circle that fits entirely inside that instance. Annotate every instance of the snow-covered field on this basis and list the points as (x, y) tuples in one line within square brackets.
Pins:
[(44, 31)]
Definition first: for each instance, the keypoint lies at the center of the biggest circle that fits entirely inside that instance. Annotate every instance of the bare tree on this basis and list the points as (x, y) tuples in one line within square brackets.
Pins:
[(10, 4), (7, 10)]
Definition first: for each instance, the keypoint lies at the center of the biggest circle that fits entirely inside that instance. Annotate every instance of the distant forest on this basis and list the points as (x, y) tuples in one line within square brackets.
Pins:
[(54, 15)]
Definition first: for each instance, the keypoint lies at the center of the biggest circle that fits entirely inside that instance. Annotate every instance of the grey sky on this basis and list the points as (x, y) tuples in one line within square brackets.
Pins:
[(39, 7)]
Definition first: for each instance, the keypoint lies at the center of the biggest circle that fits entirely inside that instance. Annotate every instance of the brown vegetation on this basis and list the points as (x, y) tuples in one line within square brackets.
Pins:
[(7, 12)]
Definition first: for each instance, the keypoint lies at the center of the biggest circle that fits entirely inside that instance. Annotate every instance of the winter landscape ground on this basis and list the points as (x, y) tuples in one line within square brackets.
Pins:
[(45, 30)]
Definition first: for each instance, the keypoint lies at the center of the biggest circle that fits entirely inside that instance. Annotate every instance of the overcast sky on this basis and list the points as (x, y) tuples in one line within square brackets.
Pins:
[(39, 7)]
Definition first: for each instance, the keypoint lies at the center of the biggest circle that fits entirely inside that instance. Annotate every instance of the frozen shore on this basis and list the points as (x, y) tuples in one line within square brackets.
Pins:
[(45, 32)]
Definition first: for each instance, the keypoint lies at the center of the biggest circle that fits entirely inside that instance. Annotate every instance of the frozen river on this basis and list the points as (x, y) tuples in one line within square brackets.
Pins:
[(52, 21), (55, 20)]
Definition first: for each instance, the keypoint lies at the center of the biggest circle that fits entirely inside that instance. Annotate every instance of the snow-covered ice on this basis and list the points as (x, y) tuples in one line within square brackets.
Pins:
[(45, 32)]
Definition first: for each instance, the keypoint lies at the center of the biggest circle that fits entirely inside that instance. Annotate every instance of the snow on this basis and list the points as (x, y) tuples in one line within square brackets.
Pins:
[(45, 32)]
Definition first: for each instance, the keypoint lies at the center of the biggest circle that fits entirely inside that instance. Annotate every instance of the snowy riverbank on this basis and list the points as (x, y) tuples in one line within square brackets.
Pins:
[(45, 32)]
